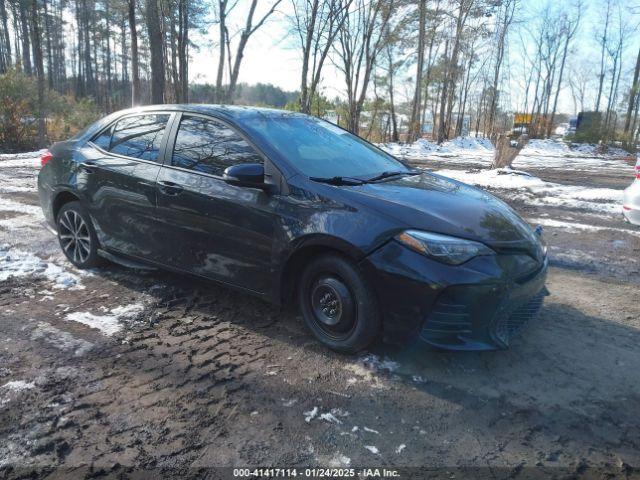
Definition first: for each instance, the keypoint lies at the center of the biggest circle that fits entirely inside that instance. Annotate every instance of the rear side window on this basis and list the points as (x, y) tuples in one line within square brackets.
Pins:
[(137, 136), (210, 146)]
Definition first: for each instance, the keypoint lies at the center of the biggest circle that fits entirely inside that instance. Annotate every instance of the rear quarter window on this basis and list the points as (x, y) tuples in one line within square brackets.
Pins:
[(136, 136)]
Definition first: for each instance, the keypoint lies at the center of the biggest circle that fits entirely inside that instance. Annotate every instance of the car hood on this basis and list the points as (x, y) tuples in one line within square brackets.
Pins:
[(442, 205)]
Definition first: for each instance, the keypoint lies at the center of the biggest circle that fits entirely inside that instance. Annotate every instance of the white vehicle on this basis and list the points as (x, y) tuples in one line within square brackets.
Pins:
[(631, 199)]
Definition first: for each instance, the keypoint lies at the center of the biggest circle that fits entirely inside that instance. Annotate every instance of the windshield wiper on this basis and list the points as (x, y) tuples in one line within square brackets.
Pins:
[(393, 173), (338, 180)]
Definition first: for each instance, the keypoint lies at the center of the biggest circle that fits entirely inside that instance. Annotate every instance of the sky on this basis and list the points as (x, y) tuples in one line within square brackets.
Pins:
[(272, 55)]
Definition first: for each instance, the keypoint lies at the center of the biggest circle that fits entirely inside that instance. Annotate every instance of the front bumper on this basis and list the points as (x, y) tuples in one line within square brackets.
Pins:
[(480, 305)]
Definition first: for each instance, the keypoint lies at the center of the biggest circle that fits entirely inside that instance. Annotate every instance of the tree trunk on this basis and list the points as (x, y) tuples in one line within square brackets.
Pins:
[(555, 100), (26, 47), (135, 65), (39, 66), (175, 75), (394, 119), (47, 35), (183, 40), (5, 31), (88, 68), (108, 54), (415, 127), (222, 5), (306, 53), (633, 93), (157, 57), (602, 65), (507, 150)]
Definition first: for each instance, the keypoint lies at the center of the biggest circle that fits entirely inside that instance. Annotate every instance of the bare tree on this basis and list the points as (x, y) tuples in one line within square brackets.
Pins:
[(316, 24), (245, 34), (505, 18), (570, 27), (359, 42), (633, 95), (603, 41)]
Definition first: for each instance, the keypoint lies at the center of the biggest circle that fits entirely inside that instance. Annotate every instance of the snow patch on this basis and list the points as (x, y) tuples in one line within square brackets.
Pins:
[(108, 324), (17, 386), (339, 460), (12, 389), (549, 222), (400, 448), (8, 205), (372, 449), (330, 417), (310, 415), (554, 154), (537, 191), (18, 263), (28, 159)]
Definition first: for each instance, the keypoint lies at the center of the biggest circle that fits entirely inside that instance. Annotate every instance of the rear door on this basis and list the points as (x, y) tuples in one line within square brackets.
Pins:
[(214, 229), (118, 177)]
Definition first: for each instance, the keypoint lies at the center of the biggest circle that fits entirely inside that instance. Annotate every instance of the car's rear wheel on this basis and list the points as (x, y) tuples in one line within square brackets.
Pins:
[(338, 305), (77, 236)]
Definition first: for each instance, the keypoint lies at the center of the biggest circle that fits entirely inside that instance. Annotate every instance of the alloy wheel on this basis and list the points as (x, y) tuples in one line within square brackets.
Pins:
[(74, 236)]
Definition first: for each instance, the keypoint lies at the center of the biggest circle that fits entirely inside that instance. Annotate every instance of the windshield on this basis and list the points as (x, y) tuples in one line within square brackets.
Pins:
[(320, 149)]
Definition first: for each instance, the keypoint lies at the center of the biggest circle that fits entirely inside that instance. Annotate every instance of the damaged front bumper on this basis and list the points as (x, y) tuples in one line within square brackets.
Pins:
[(480, 305)]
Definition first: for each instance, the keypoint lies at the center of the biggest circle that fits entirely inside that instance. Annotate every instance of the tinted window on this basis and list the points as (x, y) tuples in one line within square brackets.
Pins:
[(138, 136), (210, 146), (320, 149), (104, 139)]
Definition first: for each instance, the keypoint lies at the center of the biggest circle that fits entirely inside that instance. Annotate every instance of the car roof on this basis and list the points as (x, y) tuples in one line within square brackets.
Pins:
[(230, 112)]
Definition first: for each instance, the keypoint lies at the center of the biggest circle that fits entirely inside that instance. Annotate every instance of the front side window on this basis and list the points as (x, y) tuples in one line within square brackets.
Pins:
[(209, 146), (137, 136)]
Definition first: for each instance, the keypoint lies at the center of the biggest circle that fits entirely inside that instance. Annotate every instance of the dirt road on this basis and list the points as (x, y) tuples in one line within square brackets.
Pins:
[(114, 369)]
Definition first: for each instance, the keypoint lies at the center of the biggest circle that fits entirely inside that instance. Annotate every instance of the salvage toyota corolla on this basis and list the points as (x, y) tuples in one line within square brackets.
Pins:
[(290, 207)]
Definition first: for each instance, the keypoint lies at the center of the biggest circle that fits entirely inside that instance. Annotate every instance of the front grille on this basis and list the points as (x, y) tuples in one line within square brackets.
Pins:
[(510, 325)]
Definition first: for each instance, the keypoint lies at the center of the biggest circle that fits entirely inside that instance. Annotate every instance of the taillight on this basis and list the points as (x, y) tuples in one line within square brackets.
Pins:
[(638, 172), (45, 157)]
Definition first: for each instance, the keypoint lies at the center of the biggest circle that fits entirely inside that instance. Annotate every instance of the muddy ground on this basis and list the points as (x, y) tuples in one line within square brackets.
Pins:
[(199, 376)]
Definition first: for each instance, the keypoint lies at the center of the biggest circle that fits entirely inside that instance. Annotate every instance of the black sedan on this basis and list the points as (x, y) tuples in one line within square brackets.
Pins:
[(290, 207)]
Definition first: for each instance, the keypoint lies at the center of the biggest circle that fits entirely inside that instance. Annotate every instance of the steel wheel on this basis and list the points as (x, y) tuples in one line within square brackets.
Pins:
[(332, 306), (337, 303), (74, 236)]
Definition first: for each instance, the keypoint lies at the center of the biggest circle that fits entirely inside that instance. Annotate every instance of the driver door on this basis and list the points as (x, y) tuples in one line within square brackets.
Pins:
[(214, 229)]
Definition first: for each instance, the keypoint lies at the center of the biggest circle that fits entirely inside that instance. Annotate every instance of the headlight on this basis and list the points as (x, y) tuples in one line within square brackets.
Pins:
[(445, 249)]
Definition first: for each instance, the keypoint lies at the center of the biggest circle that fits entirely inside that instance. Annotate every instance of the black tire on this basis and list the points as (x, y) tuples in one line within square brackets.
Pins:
[(77, 237), (338, 305)]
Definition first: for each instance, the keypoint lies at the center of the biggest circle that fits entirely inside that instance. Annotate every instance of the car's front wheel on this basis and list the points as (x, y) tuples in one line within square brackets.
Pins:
[(77, 236), (338, 305)]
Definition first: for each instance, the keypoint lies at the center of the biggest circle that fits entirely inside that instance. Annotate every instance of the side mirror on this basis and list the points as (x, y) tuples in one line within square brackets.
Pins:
[(245, 175)]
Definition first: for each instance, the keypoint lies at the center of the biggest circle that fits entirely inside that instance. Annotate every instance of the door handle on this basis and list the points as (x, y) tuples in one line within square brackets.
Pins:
[(89, 166), (169, 188)]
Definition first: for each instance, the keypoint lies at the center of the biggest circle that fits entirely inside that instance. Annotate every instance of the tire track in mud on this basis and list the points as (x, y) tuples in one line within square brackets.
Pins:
[(153, 398)]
